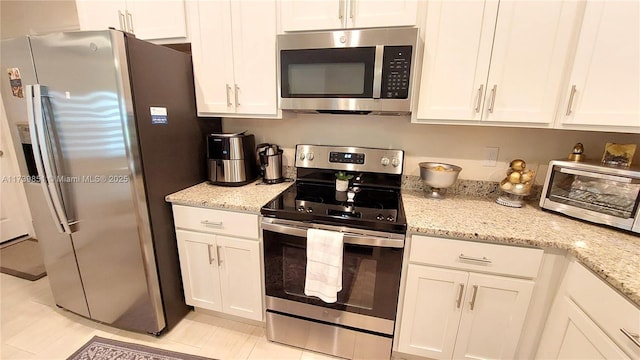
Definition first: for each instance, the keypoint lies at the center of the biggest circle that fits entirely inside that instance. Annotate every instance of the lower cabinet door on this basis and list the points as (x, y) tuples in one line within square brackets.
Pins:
[(431, 311), (240, 278), (493, 313), (200, 271), (583, 339)]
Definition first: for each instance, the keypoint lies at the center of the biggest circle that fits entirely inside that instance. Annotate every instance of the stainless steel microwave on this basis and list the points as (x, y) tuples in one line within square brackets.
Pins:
[(367, 71), (594, 192)]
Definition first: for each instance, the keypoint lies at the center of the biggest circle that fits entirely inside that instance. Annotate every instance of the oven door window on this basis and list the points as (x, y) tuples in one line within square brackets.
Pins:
[(327, 73), (370, 275), (605, 196)]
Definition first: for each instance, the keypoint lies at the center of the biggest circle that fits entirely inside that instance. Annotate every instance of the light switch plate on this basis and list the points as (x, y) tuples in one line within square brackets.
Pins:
[(490, 156)]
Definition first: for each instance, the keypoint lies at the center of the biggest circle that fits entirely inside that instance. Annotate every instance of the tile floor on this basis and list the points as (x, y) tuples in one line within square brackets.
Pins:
[(32, 327)]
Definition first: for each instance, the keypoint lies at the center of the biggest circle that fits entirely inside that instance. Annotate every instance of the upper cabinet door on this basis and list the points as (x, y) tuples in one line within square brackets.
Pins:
[(530, 50), (101, 15), (499, 62), (339, 14), (157, 21), (374, 13), (603, 92), (457, 50), (312, 15), (254, 57), (234, 57), (152, 20), (212, 54)]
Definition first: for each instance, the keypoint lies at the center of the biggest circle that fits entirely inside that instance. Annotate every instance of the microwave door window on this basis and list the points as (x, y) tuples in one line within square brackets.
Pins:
[(327, 73), (330, 79), (604, 196)]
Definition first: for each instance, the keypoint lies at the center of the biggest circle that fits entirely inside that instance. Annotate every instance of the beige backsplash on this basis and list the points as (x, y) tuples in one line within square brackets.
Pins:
[(461, 145)]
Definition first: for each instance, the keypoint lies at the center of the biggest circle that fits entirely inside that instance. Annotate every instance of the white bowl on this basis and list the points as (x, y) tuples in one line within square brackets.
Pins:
[(438, 175)]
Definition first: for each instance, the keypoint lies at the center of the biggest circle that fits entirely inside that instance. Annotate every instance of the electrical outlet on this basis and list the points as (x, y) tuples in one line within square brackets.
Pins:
[(490, 156)]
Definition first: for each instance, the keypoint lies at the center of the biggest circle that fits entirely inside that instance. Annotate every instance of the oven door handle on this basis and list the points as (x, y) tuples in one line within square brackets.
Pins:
[(349, 237)]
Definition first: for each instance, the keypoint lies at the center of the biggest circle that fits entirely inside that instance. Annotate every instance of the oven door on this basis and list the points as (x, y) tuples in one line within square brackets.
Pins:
[(372, 264)]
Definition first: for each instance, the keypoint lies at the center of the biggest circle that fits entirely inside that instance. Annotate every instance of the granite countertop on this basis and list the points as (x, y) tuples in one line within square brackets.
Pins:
[(613, 254), (249, 198)]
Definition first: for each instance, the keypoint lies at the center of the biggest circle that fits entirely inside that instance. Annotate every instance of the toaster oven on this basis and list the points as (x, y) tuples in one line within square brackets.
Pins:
[(594, 192)]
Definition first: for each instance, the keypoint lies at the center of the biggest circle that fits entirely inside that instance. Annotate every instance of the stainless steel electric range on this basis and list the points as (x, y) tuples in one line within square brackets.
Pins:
[(370, 215)]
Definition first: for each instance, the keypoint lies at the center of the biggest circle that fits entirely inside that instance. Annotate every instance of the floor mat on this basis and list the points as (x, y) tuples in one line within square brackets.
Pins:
[(106, 349), (22, 259)]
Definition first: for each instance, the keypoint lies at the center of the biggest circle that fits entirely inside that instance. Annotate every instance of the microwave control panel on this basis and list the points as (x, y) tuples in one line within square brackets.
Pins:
[(396, 67)]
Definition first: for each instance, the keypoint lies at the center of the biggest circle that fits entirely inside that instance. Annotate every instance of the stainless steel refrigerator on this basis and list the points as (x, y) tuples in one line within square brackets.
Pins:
[(104, 127)]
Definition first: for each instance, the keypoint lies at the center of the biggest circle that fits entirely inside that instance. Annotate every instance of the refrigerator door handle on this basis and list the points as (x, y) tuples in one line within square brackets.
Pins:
[(48, 178)]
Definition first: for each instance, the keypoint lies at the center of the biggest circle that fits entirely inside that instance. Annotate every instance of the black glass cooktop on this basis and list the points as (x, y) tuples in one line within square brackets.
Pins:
[(361, 207)]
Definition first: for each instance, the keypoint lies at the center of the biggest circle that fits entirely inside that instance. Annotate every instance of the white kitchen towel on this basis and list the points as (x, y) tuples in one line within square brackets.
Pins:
[(324, 264)]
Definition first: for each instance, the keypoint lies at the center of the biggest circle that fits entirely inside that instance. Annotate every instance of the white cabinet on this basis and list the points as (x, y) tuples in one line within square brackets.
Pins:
[(459, 314), (496, 62), (158, 21), (220, 272), (339, 14), (589, 320), (603, 91), (234, 58), (581, 338)]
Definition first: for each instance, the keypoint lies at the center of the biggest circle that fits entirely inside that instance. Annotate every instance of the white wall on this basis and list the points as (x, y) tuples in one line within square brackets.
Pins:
[(460, 145), (28, 17)]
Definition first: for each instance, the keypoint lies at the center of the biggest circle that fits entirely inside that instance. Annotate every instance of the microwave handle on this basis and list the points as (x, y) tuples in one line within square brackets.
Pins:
[(377, 71), (621, 179)]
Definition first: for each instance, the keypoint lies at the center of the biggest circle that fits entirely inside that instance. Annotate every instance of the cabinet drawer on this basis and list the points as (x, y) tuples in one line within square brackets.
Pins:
[(216, 221), (475, 256), (610, 310)]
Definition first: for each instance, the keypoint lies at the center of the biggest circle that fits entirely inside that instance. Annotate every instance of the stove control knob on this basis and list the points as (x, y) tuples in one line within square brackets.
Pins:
[(395, 162), (309, 210), (389, 218), (301, 156), (310, 156), (380, 217), (384, 161), (301, 208)]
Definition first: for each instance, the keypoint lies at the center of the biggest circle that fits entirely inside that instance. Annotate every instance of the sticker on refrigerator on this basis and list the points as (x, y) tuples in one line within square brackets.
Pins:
[(158, 115), (16, 82)]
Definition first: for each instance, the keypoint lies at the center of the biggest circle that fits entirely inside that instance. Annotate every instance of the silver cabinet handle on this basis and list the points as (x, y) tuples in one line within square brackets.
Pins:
[(471, 258), (473, 298), (211, 223), (228, 97), (218, 253), (494, 90), (341, 4), (571, 96), (479, 101), (351, 7), (235, 93), (635, 338), (211, 259), (121, 19), (460, 291), (129, 22)]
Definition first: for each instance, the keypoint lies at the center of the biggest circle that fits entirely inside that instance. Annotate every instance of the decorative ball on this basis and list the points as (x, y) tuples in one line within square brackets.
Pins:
[(518, 165)]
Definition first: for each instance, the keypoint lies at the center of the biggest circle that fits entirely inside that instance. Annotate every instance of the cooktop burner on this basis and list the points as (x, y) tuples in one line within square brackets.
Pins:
[(373, 209), (373, 201)]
